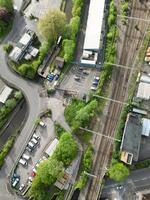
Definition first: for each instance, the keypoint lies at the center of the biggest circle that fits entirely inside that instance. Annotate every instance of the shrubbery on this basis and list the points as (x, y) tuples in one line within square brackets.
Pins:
[(86, 165), (59, 130), (6, 148), (8, 47), (7, 108), (53, 168)]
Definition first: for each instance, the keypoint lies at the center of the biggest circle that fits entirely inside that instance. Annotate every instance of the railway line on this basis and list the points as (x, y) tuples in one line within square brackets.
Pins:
[(121, 78)]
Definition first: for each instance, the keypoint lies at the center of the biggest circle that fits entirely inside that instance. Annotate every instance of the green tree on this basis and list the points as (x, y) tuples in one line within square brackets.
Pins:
[(18, 95), (69, 46), (49, 171), (10, 103), (118, 172), (67, 149), (52, 25), (8, 4), (74, 26)]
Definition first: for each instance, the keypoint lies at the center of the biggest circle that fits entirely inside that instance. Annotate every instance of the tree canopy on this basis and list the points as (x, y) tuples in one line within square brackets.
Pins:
[(118, 172), (52, 25), (67, 149)]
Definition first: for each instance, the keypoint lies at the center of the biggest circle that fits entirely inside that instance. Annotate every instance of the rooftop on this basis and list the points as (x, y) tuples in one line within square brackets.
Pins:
[(143, 91), (5, 94), (50, 150), (132, 135), (146, 127)]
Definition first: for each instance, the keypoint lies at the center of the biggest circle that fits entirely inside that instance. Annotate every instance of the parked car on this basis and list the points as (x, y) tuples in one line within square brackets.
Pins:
[(56, 77), (77, 78), (96, 78), (23, 162), (22, 186), (42, 124), (81, 68), (30, 179), (28, 149), (26, 157), (85, 72), (36, 137), (50, 77), (31, 145), (33, 140), (93, 88), (16, 181), (95, 83)]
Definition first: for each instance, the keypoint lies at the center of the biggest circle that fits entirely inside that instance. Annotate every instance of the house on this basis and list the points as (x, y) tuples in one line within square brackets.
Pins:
[(20, 49), (131, 139)]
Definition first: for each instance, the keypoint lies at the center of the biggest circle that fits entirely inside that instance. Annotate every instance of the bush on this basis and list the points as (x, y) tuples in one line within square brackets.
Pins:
[(7, 147), (69, 47), (59, 130), (50, 92), (74, 26), (8, 47)]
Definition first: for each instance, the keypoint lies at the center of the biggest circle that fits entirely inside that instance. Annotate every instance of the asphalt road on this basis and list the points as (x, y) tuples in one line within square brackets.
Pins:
[(138, 180), (31, 93)]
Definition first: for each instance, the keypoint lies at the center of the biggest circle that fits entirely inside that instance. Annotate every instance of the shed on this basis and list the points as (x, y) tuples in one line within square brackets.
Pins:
[(51, 148), (143, 91), (5, 94), (145, 127)]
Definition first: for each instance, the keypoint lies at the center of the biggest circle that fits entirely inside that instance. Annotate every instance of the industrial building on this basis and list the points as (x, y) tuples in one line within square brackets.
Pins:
[(143, 91), (131, 139), (94, 31)]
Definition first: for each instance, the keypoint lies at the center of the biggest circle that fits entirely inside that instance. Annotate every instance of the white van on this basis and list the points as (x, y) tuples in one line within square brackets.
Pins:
[(23, 162), (42, 124), (26, 157)]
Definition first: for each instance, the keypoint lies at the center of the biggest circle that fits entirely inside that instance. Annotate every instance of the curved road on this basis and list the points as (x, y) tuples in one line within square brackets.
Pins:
[(31, 92)]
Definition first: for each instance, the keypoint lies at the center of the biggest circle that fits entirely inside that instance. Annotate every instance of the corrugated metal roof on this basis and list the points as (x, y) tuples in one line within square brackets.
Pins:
[(5, 94), (146, 127), (50, 150), (143, 91)]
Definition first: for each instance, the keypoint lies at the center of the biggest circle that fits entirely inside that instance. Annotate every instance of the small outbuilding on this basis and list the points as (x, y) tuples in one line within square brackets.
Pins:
[(51, 148), (145, 127)]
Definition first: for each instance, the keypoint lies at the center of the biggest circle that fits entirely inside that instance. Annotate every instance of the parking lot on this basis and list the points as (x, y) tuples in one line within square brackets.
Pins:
[(46, 135), (83, 84), (38, 8)]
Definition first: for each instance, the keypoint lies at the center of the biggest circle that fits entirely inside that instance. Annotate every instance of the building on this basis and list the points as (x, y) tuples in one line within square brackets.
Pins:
[(143, 91), (93, 33), (145, 127), (59, 62), (51, 148), (131, 139), (5, 92), (20, 49)]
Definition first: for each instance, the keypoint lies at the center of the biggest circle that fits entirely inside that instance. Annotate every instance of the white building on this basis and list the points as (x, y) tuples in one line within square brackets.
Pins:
[(50, 150), (145, 127), (93, 32), (5, 91)]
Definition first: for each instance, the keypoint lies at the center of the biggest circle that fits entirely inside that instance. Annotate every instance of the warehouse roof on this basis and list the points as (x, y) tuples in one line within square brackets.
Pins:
[(132, 135), (146, 127), (94, 24), (5, 94)]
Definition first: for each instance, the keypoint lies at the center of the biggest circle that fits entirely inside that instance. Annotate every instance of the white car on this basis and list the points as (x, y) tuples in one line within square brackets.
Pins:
[(93, 88), (30, 179), (15, 182), (96, 78), (21, 187)]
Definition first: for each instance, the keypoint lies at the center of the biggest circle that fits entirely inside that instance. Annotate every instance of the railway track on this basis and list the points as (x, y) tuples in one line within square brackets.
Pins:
[(121, 79)]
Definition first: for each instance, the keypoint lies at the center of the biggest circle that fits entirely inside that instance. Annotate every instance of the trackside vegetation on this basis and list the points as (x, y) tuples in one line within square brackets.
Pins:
[(7, 147), (8, 107), (53, 168)]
